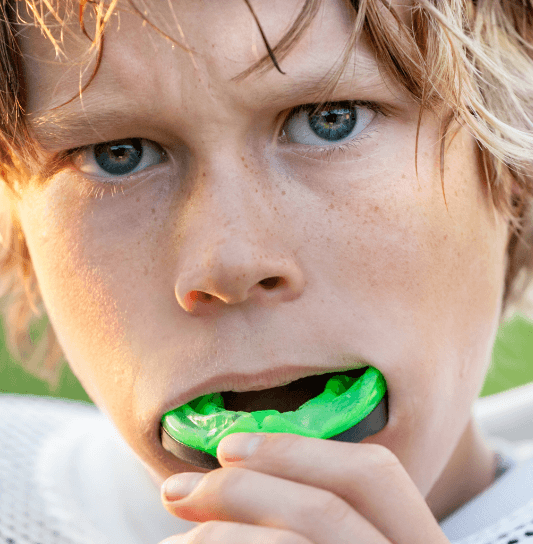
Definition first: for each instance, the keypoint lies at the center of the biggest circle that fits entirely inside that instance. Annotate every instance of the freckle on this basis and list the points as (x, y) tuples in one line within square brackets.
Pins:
[(275, 209), (203, 174), (153, 210), (349, 242), (331, 207), (242, 159), (283, 193), (376, 208)]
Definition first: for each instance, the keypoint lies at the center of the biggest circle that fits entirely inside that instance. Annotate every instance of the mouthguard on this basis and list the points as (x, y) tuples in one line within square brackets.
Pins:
[(349, 409)]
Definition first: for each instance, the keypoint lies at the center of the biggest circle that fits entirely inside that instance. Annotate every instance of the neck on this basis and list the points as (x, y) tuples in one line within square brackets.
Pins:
[(470, 470)]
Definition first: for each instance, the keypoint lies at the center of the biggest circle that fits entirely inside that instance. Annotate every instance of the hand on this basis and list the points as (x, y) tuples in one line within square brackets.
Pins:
[(298, 490)]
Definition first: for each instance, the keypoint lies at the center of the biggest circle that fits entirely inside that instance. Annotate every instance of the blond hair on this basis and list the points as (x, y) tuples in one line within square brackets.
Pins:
[(469, 61)]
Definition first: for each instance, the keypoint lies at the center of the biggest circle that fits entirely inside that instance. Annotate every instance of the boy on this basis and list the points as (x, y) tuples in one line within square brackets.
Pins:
[(201, 220)]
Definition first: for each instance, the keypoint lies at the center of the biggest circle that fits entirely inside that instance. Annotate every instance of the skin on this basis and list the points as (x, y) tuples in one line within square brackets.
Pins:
[(374, 268)]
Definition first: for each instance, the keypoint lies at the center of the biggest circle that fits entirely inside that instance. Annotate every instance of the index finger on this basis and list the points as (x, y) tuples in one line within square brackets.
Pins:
[(369, 477)]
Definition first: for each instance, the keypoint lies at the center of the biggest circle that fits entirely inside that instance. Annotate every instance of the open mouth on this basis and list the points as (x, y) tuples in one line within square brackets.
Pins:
[(286, 398), (345, 406)]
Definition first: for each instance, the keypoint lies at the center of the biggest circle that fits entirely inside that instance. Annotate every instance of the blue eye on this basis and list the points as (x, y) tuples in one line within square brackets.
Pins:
[(333, 123), (118, 157)]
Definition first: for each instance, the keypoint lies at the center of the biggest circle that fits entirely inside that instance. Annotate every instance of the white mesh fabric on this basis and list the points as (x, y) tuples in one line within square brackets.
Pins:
[(34, 511), (31, 513), (514, 529)]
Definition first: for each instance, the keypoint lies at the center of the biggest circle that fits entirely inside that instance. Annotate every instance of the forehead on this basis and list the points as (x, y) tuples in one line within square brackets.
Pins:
[(207, 44), (220, 37)]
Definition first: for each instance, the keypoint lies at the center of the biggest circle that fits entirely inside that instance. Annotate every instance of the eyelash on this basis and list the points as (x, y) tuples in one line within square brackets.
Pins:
[(328, 151), (97, 189)]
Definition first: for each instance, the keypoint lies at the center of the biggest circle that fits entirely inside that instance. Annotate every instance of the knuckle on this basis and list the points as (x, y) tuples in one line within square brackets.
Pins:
[(382, 466), (383, 456)]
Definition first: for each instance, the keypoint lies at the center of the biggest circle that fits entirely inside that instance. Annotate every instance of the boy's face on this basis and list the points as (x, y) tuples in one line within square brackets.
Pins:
[(156, 292)]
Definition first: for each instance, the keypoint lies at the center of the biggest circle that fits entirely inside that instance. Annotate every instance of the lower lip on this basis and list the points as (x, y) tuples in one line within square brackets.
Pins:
[(192, 432)]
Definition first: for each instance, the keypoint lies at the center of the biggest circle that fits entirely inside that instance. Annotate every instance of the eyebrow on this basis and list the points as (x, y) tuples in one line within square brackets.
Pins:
[(54, 129), (63, 126)]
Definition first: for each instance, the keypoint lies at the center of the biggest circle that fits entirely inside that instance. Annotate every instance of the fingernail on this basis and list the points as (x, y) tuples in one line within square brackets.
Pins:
[(239, 446), (180, 485)]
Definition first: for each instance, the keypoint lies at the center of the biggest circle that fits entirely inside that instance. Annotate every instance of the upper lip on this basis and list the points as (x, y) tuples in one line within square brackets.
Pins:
[(266, 379)]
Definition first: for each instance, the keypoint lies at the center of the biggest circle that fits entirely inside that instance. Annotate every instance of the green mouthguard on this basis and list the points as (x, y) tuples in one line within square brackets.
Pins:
[(203, 422)]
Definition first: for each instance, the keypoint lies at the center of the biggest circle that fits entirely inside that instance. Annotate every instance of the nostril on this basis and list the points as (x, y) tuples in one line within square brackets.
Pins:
[(271, 283), (199, 296)]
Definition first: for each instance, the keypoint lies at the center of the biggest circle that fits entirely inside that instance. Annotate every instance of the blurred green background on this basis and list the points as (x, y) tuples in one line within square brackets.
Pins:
[(512, 366)]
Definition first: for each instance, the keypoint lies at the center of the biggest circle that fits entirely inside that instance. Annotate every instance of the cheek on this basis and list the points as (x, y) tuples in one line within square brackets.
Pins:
[(79, 301), (428, 277), (400, 246), (426, 282), (463, 257)]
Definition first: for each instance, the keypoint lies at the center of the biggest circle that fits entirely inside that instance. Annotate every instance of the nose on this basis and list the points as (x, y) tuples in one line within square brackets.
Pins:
[(231, 281), (236, 255)]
